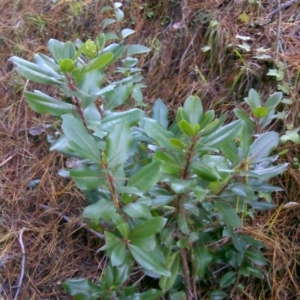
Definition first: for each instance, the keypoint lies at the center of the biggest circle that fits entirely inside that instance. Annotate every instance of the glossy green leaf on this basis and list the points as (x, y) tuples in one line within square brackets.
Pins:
[(178, 143), (178, 296), (170, 166), (137, 210), (82, 289), (227, 214), (260, 112), (202, 258), (186, 128), (268, 173), (61, 50), (160, 113), (80, 140), (131, 117), (228, 279), (148, 243), (217, 295), (119, 14), (146, 177), (137, 49), (273, 101), (99, 62), (234, 257), (238, 242), (180, 186), (207, 118), (230, 151), (182, 223), (100, 41), (126, 32), (244, 117), (210, 128), (43, 103), (111, 241), (118, 145), (194, 109), (205, 170), (148, 228), (151, 294), (263, 146), (181, 115), (101, 209), (108, 22), (123, 227), (173, 263), (253, 99), (256, 257), (88, 178), (148, 260), (119, 96), (222, 136), (245, 139), (118, 254), (36, 73), (161, 136)]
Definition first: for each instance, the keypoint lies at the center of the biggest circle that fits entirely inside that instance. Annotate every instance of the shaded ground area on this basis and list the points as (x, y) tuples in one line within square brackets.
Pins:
[(215, 49)]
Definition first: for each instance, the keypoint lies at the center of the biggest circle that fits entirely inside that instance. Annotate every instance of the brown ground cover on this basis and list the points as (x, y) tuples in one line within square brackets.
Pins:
[(43, 248)]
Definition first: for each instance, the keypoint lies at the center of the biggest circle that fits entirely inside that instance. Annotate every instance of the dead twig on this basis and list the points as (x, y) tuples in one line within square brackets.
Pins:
[(22, 264)]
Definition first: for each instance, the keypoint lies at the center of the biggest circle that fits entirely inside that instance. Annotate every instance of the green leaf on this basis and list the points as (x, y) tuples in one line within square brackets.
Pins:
[(108, 22), (234, 257), (119, 96), (160, 113), (137, 210), (244, 117), (147, 243), (178, 296), (88, 178), (182, 224), (118, 145), (132, 117), (202, 258), (228, 279), (82, 289), (43, 103), (245, 140), (119, 14), (173, 263), (146, 177), (260, 112), (263, 146), (61, 50), (207, 118), (80, 140), (118, 254), (253, 99), (181, 115), (170, 166), (238, 242), (205, 170), (217, 295), (101, 209), (136, 49), (126, 32), (291, 135), (268, 173), (148, 260), (227, 214), (99, 62), (230, 151), (186, 128), (256, 257), (148, 228), (151, 294), (222, 136), (111, 241), (194, 109), (123, 227), (161, 136), (36, 73), (273, 101)]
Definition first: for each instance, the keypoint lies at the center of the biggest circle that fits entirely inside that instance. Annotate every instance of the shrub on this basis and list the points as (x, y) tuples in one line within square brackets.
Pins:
[(169, 197)]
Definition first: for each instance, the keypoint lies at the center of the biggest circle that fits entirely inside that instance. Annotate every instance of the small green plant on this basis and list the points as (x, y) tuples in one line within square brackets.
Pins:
[(170, 198)]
